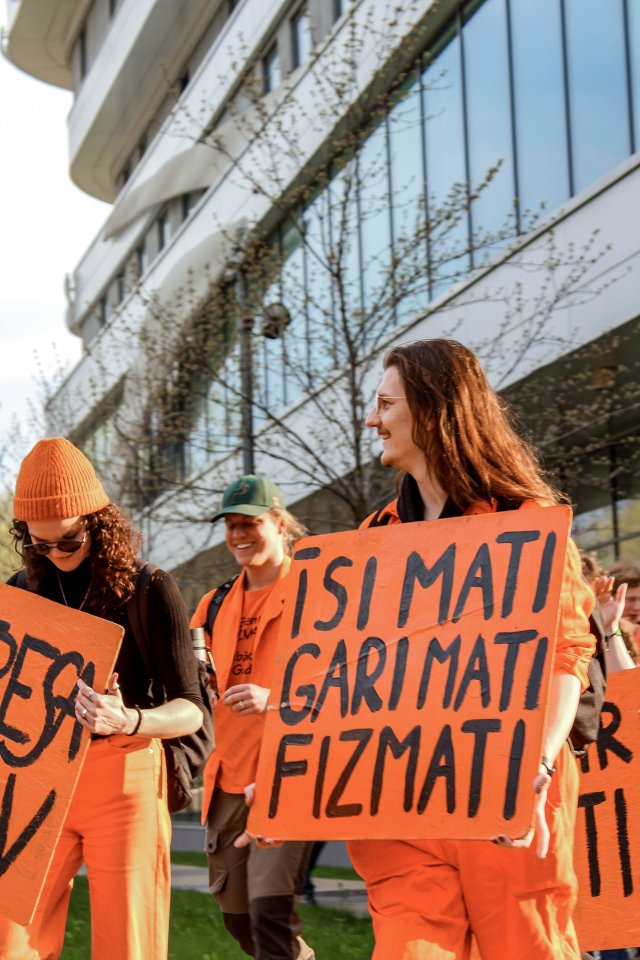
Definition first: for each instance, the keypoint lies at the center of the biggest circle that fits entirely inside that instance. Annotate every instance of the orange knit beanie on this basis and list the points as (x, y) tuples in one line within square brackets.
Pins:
[(56, 481)]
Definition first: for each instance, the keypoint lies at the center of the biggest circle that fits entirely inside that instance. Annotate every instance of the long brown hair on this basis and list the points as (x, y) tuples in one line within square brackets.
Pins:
[(463, 427), (112, 558), (293, 529)]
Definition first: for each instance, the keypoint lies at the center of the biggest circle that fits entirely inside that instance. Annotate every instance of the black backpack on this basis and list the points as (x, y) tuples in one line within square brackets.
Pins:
[(186, 755), (587, 720)]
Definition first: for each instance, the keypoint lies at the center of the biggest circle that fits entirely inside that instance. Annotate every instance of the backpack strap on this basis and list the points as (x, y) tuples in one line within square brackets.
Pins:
[(138, 616), (216, 602)]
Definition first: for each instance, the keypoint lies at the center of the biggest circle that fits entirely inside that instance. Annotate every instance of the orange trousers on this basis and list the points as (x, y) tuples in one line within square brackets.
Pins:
[(428, 897), (118, 824)]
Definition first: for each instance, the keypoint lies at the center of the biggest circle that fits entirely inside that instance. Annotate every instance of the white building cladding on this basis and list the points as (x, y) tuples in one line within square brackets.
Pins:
[(166, 126)]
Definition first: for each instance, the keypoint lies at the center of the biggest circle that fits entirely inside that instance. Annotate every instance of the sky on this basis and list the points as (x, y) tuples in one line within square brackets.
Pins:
[(46, 224)]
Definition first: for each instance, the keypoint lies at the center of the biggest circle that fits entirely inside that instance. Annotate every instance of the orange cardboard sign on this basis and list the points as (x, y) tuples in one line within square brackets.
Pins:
[(607, 843), (411, 680), (44, 648)]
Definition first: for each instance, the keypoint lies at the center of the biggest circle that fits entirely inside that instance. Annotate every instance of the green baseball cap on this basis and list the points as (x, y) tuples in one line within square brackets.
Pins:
[(250, 495)]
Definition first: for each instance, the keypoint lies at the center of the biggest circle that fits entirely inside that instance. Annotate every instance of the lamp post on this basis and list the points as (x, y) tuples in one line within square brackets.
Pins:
[(245, 337)]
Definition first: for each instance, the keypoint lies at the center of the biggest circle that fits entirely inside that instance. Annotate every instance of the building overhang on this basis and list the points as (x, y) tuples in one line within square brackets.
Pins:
[(40, 36), (133, 72)]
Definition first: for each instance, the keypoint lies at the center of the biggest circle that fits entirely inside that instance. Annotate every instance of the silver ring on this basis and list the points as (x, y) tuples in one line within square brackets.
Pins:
[(84, 713), (241, 704)]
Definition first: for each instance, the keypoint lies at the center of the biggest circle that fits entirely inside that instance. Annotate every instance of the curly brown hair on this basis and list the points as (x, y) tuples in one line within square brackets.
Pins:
[(112, 558), (464, 427)]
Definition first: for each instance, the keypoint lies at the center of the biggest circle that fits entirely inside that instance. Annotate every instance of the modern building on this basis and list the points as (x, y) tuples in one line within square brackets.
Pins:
[(295, 185)]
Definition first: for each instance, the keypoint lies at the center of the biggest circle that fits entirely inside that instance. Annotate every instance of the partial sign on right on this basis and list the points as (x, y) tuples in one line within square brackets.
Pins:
[(607, 842)]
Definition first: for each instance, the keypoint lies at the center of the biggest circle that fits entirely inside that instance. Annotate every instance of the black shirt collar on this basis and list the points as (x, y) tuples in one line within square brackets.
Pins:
[(411, 507)]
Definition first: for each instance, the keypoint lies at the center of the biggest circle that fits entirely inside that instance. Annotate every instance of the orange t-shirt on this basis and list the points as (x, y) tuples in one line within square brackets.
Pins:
[(238, 738)]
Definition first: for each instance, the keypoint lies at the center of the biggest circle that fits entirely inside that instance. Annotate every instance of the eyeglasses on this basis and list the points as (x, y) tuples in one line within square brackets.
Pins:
[(382, 397), (64, 546)]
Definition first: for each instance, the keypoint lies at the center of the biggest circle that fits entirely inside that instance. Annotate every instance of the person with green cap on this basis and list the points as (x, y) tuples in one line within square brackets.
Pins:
[(255, 887)]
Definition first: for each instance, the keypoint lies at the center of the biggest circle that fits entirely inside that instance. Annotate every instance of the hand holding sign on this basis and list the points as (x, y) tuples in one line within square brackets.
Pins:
[(540, 829), (246, 838), (103, 713), (412, 661)]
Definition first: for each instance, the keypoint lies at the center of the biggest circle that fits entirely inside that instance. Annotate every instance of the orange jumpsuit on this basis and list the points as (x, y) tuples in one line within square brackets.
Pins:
[(427, 897), (118, 824)]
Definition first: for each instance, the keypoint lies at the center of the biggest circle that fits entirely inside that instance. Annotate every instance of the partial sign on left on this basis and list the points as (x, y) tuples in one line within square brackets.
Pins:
[(44, 648)]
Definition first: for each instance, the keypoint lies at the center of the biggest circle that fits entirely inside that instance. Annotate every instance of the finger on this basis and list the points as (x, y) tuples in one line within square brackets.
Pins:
[(82, 713), (541, 827), (86, 694), (243, 840), (621, 593), (543, 836), (249, 794), (112, 684)]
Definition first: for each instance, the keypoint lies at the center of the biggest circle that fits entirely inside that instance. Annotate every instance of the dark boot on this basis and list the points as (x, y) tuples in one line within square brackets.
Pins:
[(275, 925), (239, 926)]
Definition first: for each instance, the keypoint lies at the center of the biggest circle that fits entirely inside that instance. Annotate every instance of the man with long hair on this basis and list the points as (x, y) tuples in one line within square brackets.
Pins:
[(255, 886), (443, 426)]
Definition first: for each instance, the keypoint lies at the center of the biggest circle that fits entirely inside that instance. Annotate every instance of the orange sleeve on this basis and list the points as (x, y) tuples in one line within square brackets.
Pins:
[(575, 645)]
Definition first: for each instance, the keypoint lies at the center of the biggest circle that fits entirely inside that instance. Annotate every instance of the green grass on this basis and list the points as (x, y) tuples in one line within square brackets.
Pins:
[(335, 873), (193, 859), (197, 932), (189, 858)]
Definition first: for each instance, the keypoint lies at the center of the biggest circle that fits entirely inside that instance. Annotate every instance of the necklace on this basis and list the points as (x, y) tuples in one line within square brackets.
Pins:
[(66, 602)]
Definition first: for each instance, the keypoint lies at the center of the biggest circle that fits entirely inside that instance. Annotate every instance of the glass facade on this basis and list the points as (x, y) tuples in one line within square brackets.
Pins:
[(495, 127), (514, 108), (608, 497)]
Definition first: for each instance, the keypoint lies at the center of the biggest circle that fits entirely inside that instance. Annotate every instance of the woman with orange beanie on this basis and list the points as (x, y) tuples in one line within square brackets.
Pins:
[(79, 550)]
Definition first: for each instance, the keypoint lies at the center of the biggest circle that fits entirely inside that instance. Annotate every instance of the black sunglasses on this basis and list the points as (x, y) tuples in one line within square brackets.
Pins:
[(64, 546)]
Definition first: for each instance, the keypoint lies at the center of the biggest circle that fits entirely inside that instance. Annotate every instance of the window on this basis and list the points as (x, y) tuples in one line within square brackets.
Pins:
[(186, 205), (597, 89), (141, 259), (540, 120), (338, 8), (271, 74), (489, 124), (406, 159), (374, 219), (162, 227), (446, 174), (82, 54), (301, 37)]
